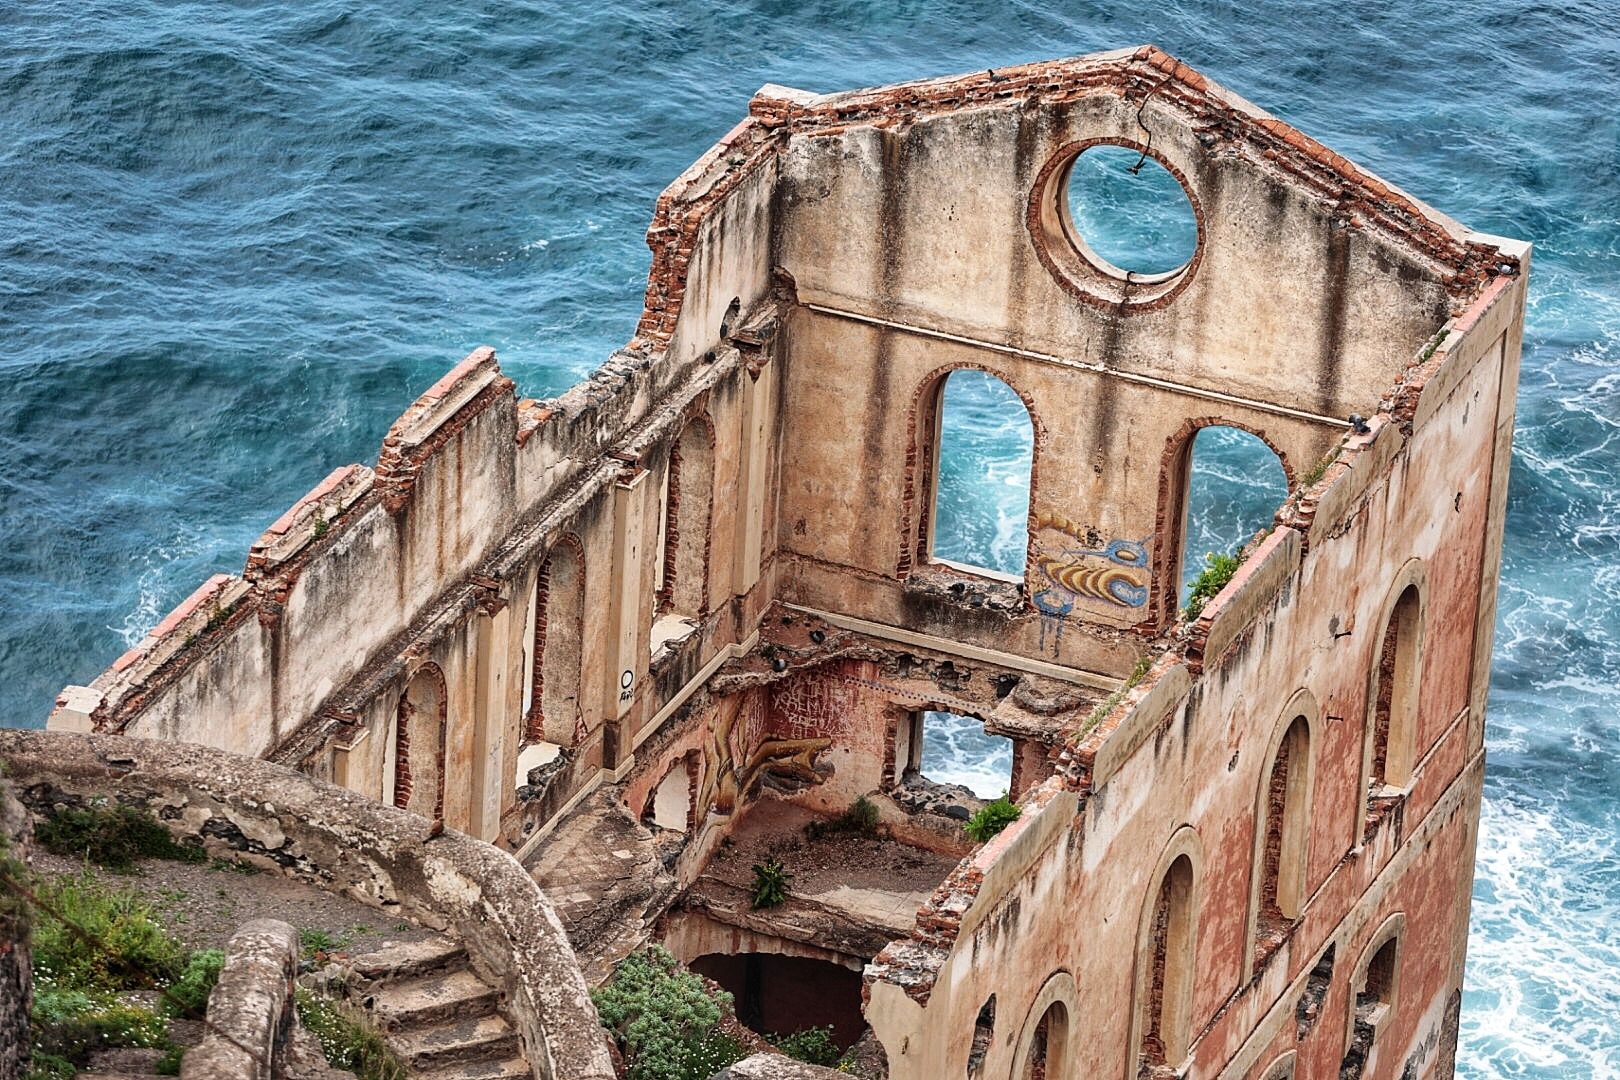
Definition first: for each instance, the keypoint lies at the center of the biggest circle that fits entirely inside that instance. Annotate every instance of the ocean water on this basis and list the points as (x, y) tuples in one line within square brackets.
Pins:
[(236, 239)]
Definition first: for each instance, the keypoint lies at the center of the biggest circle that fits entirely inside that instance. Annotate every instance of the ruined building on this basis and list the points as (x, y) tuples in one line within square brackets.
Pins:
[(643, 633)]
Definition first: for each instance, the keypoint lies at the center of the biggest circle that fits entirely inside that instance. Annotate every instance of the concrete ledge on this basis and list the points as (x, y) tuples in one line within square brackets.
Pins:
[(775, 1067), (1006, 857), (1161, 697), (1363, 460), (1250, 591), (250, 1011), (341, 841)]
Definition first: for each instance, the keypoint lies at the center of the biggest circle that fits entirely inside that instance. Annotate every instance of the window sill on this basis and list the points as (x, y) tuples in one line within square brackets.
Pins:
[(670, 631), (968, 586)]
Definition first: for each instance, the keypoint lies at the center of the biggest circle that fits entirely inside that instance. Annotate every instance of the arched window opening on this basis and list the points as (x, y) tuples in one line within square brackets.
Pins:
[(680, 579), (1165, 988), (1285, 802), (1048, 1055), (984, 1030), (419, 733), (1374, 1001), (983, 456), (1282, 1068), (1394, 697), (1308, 1009), (1233, 484), (949, 748), (559, 629)]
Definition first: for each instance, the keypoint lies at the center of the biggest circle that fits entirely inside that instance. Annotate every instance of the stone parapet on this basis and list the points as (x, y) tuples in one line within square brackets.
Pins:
[(277, 818)]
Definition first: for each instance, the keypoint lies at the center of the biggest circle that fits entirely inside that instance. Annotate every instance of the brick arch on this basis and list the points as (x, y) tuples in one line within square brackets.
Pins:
[(1170, 521), (537, 723), (917, 495), (677, 510), (413, 718)]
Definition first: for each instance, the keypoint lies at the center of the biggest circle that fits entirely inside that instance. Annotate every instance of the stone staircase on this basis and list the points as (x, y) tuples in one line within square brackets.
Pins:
[(604, 875), (435, 1013)]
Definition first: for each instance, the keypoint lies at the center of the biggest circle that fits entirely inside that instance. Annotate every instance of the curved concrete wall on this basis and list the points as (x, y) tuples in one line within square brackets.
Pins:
[(344, 842)]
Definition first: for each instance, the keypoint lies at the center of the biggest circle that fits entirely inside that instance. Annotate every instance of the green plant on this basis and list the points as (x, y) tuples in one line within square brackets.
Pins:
[(169, 1063), (72, 1024), (319, 527), (188, 995), (1434, 343), (92, 937), (43, 1066), (990, 819), (232, 865), (1106, 705), (664, 1019), (315, 941), (345, 1041), (1218, 571), (115, 836), (770, 884), (813, 1046), (1319, 470), (861, 818)]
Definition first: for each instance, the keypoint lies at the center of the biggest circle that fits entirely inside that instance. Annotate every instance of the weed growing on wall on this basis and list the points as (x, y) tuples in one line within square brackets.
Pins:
[(664, 1019), (990, 819), (770, 884), (1217, 573)]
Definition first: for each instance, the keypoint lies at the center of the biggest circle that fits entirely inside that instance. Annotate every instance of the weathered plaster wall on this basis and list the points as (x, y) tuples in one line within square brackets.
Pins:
[(1191, 766)]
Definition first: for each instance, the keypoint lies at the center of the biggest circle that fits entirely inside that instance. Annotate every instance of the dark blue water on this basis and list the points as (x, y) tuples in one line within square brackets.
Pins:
[(236, 239)]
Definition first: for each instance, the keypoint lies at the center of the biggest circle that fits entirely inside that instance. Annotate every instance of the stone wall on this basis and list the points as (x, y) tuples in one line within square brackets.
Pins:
[(1055, 909), (251, 1019), (337, 840), (16, 972)]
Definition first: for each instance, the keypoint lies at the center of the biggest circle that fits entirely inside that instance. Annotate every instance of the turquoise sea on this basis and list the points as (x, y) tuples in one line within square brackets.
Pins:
[(236, 238)]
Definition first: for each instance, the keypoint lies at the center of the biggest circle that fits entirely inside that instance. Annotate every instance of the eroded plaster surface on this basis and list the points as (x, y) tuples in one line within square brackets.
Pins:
[(698, 591)]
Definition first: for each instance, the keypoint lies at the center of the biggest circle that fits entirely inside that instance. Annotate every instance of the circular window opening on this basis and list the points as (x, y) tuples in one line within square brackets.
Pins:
[(1130, 215)]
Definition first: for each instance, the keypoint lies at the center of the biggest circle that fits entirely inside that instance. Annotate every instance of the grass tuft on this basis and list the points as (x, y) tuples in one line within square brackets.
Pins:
[(347, 1043), (115, 836)]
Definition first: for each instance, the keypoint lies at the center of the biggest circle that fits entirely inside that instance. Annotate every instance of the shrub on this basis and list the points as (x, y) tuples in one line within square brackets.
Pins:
[(115, 836), (770, 884), (990, 819), (347, 1043), (813, 1045), (105, 938), (861, 818), (43, 1066), (188, 996), (664, 1019), (1218, 571), (69, 1025)]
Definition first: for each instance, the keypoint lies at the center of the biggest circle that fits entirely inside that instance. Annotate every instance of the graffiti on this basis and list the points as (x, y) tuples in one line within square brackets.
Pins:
[(726, 779), (1078, 566)]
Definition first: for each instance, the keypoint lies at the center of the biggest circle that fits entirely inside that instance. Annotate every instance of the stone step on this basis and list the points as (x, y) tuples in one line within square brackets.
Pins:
[(396, 960), (514, 1068), (431, 999), (481, 1037)]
